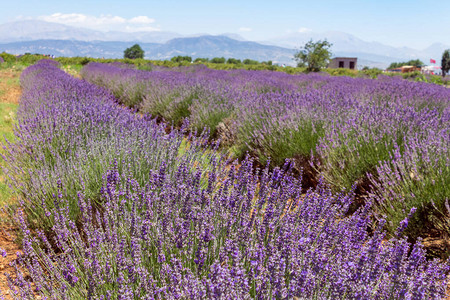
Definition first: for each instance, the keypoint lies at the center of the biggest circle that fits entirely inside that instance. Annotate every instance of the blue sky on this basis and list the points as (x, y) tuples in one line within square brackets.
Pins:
[(410, 23)]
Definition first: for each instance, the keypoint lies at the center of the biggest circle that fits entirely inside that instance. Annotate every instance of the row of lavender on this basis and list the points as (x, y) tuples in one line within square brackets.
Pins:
[(71, 132), (390, 136), (153, 217)]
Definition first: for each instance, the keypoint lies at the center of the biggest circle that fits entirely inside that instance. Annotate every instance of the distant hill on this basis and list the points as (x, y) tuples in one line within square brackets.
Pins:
[(345, 44), (32, 30), (71, 48), (61, 40), (218, 46), (204, 46)]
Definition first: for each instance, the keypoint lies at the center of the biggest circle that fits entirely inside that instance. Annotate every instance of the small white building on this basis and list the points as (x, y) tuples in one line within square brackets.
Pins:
[(431, 70), (343, 62)]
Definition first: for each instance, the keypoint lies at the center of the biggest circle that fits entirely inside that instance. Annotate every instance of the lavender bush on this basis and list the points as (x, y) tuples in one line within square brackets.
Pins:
[(242, 236), (71, 131)]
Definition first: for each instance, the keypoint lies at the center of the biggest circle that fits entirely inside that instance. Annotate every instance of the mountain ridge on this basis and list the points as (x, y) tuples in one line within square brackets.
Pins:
[(25, 36)]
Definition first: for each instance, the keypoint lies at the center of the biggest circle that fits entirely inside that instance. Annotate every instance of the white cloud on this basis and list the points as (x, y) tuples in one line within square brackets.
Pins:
[(304, 29), (103, 22), (245, 29), (142, 20)]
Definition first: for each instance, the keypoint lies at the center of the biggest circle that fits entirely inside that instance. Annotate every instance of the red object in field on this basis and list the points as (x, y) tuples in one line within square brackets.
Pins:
[(432, 61)]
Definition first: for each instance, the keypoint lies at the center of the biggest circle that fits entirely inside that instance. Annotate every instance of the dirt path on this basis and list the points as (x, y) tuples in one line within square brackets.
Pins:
[(7, 243), (10, 92)]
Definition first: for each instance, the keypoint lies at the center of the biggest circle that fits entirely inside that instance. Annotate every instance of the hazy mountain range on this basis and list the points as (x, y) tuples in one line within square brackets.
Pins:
[(62, 40)]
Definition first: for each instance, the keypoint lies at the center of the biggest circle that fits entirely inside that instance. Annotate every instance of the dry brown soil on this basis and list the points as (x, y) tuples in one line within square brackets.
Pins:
[(9, 93), (9, 89)]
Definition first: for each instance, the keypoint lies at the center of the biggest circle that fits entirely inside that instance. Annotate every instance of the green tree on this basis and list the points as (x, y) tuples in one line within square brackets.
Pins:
[(180, 58), (445, 62), (248, 61), (412, 62), (415, 63), (233, 61), (218, 60), (201, 60), (133, 52), (314, 55), (9, 58)]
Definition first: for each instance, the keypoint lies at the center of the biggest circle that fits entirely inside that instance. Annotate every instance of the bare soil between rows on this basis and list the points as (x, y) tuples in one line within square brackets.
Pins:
[(10, 93)]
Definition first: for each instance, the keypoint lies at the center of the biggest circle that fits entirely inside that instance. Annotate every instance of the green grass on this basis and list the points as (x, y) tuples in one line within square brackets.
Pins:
[(7, 121), (9, 80), (426, 187), (72, 69), (289, 143), (281, 143), (13, 81), (355, 157)]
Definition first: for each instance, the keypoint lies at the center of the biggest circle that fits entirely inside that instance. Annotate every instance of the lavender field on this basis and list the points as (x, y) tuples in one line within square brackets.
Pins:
[(387, 138), (122, 197)]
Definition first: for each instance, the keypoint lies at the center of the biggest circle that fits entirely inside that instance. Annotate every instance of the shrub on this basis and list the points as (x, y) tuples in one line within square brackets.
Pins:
[(372, 72), (30, 59), (8, 58), (217, 60), (250, 62), (233, 61), (411, 74), (201, 60), (180, 58), (341, 72)]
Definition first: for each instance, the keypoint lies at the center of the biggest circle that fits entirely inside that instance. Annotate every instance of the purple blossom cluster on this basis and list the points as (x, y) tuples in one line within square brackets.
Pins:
[(389, 136)]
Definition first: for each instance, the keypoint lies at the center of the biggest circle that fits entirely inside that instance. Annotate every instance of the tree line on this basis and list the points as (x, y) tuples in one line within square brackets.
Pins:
[(313, 56)]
